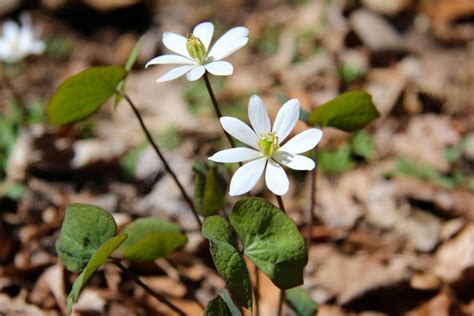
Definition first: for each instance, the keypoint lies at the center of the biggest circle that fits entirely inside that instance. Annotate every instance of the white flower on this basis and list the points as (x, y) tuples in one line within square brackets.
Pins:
[(267, 150), (17, 41), (194, 54)]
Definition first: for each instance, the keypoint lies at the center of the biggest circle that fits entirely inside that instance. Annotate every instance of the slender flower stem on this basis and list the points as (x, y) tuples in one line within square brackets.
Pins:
[(17, 96), (136, 279), (256, 292), (162, 158), (312, 207), (280, 303), (216, 106), (282, 292), (280, 203)]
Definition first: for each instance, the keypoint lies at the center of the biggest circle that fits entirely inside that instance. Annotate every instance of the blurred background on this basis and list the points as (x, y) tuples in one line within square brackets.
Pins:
[(394, 232)]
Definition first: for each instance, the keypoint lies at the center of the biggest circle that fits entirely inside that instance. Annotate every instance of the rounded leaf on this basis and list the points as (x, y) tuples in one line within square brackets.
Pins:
[(271, 240)]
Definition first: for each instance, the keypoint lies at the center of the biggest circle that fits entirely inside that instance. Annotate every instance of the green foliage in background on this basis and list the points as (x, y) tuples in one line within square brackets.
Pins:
[(349, 112), (151, 238), (210, 189)]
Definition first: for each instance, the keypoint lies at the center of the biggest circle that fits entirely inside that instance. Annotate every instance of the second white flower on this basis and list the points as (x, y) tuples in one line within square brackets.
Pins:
[(267, 151)]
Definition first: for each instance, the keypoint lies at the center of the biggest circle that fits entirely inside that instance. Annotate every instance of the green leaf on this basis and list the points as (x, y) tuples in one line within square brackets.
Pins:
[(363, 145), (335, 161), (228, 261), (349, 112), (300, 302), (271, 240), (98, 259), (82, 95), (234, 310), (217, 307), (12, 190), (132, 58), (84, 230), (151, 238), (209, 190)]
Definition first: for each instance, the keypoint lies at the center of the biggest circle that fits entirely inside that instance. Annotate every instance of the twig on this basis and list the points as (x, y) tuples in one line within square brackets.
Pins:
[(158, 296), (216, 107), (162, 158)]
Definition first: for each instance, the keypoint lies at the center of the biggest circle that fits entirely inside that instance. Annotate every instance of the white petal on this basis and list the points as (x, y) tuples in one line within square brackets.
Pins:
[(176, 43), (10, 30), (286, 119), (196, 73), (303, 142), (220, 68), (239, 130), (258, 115), (204, 32), (175, 73), (295, 162), (246, 177), (38, 47), (230, 42), (235, 155), (225, 51), (25, 39), (276, 179), (170, 59)]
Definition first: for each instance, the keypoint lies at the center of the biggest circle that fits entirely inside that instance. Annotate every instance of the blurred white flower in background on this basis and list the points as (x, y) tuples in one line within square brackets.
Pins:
[(194, 54), (267, 151), (19, 41)]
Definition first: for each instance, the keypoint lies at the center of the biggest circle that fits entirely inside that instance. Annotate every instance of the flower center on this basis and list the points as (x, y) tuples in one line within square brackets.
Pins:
[(268, 144), (195, 47)]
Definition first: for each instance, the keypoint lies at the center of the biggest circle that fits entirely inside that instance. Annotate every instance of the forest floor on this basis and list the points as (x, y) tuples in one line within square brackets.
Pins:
[(394, 231)]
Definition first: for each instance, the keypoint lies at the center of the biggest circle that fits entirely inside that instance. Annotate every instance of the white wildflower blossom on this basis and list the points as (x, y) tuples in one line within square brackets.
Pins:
[(194, 54), (19, 41), (268, 151)]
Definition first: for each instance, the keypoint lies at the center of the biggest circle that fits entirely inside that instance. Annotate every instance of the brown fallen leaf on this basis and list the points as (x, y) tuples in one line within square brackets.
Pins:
[(349, 277), (438, 306), (455, 259)]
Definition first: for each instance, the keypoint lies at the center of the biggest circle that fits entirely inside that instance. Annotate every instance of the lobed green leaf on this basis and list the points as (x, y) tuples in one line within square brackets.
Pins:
[(97, 260), (228, 261), (271, 240), (84, 230), (349, 112), (83, 94), (151, 238), (217, 307), (234, 310)]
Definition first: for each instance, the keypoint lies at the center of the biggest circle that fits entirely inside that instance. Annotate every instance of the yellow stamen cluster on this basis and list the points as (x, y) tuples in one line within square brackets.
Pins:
[(195, 47), (268, 144)]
